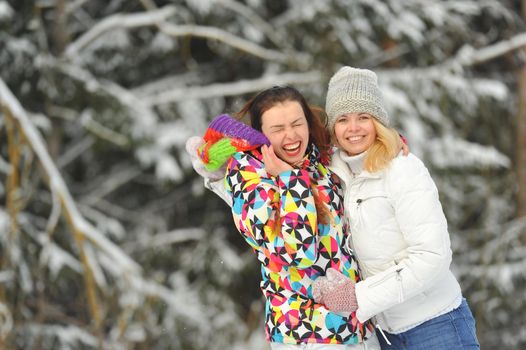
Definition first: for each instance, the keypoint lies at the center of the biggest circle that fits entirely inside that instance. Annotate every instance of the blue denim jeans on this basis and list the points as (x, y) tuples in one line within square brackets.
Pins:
[(452, 331)]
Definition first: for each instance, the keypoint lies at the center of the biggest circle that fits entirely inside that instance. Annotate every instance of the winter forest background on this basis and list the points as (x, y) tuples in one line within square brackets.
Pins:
[(108, 239)]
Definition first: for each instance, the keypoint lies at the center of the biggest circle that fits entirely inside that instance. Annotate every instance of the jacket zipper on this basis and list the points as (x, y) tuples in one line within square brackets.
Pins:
[(361, 200), (400, 289), (398, 277), (349, 244), (385, 278)]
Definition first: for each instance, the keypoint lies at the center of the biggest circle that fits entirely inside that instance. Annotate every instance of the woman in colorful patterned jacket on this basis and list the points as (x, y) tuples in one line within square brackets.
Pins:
[(288, 206)]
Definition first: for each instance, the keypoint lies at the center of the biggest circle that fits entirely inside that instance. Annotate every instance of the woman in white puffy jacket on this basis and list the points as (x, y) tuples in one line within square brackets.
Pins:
[(398, 229)]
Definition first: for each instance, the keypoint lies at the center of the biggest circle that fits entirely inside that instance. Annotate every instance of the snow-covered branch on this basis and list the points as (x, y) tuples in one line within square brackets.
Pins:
[(256, 20), (466, 57), (148, 4), (232, 89), (101, 131), (102, 252), (74, 151), (158, 18), (111, 182), (168, 82), (54, 216), (121, 213), (57, 184), (224, 37), (7, 320), (143, 116), (5, 167), (471, 57), (144, 19), (167, 238), (73, 6)]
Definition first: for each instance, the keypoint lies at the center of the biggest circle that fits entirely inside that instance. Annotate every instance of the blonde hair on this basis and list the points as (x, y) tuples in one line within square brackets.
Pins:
[(384, 149)]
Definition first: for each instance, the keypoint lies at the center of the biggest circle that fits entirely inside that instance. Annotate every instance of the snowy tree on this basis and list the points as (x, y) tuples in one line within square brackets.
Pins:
[(108, 238)]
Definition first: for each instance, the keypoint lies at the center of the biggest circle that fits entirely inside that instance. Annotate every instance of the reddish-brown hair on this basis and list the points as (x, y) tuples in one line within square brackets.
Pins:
[(268, 98), (318, 134)]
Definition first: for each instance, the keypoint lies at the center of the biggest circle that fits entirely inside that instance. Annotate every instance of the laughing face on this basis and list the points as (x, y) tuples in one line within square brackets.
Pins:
[(287, 129), (355, 132)]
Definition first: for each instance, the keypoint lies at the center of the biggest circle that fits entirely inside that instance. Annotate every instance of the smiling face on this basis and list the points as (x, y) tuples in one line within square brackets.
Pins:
[(286, 127), (355, 132)]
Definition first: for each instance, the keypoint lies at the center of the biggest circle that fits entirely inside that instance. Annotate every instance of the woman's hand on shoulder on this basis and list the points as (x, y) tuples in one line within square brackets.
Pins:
[(273, 165), (405, 149)]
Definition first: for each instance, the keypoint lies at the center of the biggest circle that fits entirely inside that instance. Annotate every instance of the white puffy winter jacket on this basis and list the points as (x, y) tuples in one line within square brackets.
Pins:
[(399, 235)]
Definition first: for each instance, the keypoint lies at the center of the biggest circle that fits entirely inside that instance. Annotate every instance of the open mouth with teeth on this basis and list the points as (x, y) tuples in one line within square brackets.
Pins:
[(292, 149), (355, 139)]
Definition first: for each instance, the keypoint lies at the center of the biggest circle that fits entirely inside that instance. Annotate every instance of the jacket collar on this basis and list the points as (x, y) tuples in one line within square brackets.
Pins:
[(340, 166)]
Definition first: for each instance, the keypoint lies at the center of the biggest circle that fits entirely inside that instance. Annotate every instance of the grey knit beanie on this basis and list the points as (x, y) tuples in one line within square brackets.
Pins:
[(354, 90)]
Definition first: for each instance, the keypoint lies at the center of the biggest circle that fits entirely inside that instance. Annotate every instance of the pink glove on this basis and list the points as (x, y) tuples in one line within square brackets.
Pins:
[(192, 144), (335, 291)]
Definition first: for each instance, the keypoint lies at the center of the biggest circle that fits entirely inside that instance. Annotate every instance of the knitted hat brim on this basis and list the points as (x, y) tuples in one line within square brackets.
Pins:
[(343, 107)]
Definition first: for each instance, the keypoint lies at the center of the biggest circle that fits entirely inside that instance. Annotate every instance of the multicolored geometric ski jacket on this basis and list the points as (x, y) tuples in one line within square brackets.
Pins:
[(277, 217)]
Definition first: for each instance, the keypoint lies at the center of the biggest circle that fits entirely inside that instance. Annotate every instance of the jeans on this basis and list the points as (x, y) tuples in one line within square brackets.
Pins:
[(369, 344), (454, 330)]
